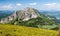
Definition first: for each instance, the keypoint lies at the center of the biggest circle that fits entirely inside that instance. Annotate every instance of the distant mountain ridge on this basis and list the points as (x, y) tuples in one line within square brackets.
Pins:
[(51, 13), (5, 13)]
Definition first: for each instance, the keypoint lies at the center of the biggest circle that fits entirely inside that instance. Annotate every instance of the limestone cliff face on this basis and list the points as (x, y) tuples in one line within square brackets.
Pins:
[(9, 18), (25, 15)]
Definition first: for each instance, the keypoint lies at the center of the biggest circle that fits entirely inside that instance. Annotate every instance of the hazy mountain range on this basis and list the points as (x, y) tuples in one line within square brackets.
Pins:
[(52, 13), (5, 13)]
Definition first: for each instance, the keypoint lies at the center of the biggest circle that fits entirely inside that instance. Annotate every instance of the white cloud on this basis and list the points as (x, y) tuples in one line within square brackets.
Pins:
[(50, 6), (33, 3), (18, 4), (6, 7), (10, 6)]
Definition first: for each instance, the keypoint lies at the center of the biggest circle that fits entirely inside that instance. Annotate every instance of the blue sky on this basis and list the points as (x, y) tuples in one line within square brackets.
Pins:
[(38, 4)]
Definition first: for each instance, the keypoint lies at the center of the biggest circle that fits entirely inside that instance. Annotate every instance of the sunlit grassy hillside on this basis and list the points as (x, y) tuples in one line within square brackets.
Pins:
[(13, 30)]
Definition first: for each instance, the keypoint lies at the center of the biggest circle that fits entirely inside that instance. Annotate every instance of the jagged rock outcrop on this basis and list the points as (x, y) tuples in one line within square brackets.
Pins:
[(25, 15), (9, 18)]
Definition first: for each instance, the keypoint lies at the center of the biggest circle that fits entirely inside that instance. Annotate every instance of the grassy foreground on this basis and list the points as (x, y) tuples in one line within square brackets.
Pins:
[(13, 30)]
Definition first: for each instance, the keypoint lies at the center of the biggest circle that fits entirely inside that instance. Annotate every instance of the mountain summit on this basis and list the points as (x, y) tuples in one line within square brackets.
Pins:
[(27, 14)]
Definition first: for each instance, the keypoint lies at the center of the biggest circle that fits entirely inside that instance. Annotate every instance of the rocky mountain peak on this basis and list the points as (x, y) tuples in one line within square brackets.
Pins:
[(28, 9), (26, 14)]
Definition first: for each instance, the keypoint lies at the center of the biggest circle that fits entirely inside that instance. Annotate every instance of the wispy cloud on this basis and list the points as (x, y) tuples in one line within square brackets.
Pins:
[(18, 4), (6, 7), (33, 3), (49, 6), (10, 6)]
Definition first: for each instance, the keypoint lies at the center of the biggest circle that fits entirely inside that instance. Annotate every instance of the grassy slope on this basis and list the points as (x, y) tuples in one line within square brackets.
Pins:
[(13, 30)]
